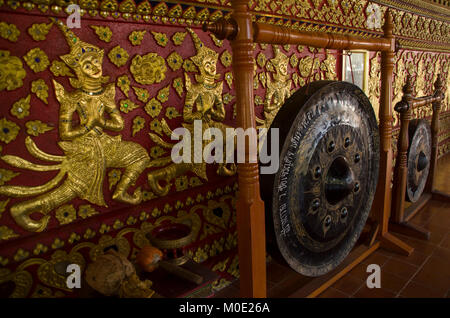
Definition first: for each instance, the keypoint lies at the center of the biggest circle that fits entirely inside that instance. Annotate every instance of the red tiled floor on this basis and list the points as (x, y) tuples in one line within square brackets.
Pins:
[(365, 292), (415, 290)]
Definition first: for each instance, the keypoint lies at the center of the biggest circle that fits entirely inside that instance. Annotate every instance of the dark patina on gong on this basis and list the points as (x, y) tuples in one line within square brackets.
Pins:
[(321, 196), (419, 154)]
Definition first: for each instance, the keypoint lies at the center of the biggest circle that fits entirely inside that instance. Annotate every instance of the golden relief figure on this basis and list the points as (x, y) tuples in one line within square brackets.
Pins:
[(203, 102), (88, 149), (278, 89)]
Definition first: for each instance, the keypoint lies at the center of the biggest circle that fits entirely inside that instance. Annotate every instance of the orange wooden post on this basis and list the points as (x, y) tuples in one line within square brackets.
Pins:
[(382, 202), (250, 207)]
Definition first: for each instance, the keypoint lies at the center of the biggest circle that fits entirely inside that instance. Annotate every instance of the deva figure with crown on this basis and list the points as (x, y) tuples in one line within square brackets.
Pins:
[(88, 149), (203, 102)]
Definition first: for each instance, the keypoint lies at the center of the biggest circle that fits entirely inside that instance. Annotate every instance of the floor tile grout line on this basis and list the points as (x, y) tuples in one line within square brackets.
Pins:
[(414, 275)]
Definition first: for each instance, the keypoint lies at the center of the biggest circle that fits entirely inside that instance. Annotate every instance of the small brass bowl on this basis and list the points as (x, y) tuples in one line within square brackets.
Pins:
[(171, 235)]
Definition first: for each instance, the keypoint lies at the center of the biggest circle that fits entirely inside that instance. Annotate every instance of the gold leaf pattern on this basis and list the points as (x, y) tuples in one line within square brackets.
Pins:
[(3, 205), (65, 214), (175, 61), (39, 31), (261, 60), (11, 70), (104, 33), (155, 125), (138, 124), (114, 177), (9, 32), (172, 112), (21, 108), (6, 175), (160, 38), (59, 68), (189, 66), (229, 79), (37, 60), (178, 85), (163, 94), (20, 255), (127, 106), (36, 127), (226, 58), (141, 94), (86, 211), (216, 41), (227, 98), (40, 88), (123, 82), (156, 152), (293, 60), (181, 183), (195, 182), (8, 130), (136, 37), (118, 56), (178, 38), (148, 69), (153, 108)]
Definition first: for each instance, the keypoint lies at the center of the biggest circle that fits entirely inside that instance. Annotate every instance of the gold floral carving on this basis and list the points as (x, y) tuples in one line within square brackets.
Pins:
[(172, 112), (148, 69), (153, 108), (178, 38), (66, 214), (374, 84), (104, 33), (175, 61), (37, 60), (114, 177), (36, 127), (21, 108), (11, 71), (39, 31), (123, 82), (9, 32), (127, 106), (226, 58), (160, 38), (6, 233), (118, 56), (58, 68), (40, 88), (138, 124), (8, 130), (216, 41), (86, 211), (178, 85), (141, 94), (136, 37)]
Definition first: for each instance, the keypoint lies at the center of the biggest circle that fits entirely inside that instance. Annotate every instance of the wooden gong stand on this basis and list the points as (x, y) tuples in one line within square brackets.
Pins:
[(242, 33), (400, 215)]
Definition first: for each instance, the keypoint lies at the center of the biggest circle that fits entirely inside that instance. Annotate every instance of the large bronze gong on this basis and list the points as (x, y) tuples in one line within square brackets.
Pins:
[(419, 154), (320, 198)]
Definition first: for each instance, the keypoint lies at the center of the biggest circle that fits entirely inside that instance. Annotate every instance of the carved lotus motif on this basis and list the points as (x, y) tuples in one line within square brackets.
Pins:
[(148, 69)]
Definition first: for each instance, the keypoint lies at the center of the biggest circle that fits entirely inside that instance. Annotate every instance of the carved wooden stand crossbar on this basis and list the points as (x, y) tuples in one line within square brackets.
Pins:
[(242, 33), (400, 214)]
